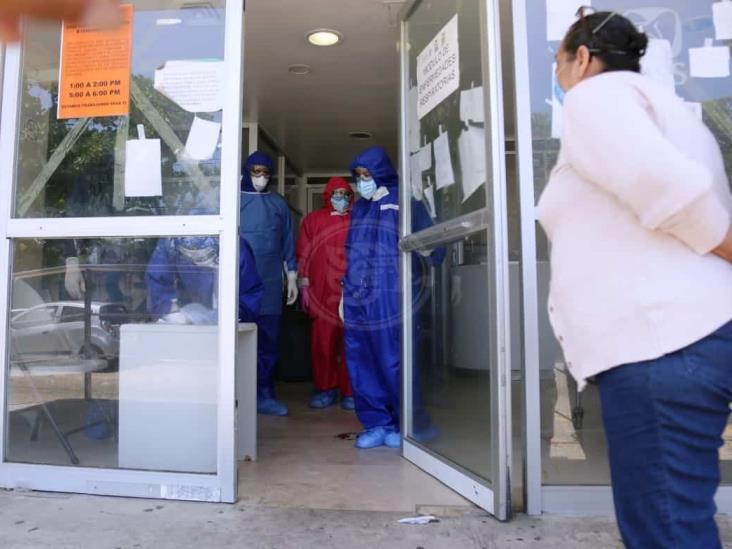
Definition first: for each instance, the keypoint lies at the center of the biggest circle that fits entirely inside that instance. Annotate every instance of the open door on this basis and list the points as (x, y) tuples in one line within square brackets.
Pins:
[(456, 396)]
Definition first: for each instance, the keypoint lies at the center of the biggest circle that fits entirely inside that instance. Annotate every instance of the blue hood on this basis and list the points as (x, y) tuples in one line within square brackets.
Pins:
[(256, 158), (377, 162)]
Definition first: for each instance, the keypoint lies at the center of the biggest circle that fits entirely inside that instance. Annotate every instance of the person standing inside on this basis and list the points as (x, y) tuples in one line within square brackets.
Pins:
[(321, 264), (266, 224), (638, 211), (372, 298)]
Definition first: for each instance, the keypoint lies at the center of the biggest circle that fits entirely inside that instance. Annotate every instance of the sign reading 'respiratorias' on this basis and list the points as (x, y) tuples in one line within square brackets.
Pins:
[(95, 70), (438, 69)]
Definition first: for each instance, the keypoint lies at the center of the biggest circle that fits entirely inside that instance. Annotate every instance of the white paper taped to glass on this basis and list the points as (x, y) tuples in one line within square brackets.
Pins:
[(722, 12), (438, 69), (560, 15), (195, 86), (143, 171), (202, 139), (709, 61)]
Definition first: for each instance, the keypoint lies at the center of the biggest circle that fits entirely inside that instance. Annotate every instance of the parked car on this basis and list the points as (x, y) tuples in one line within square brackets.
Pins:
[(58, 329)]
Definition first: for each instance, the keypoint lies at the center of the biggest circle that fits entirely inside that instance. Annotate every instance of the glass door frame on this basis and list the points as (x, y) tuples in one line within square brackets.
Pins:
[(218, 487), (538, 497), (493, 496)]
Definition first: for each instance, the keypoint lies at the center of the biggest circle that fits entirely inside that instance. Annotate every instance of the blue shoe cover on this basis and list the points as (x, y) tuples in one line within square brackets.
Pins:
[(271, 407), (393, 440), (348, 404), (428, 434), (371, 439), (324, 399), (96, 423)]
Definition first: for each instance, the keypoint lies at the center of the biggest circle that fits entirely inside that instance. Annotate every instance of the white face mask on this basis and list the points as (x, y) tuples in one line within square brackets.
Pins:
[(260, 182)]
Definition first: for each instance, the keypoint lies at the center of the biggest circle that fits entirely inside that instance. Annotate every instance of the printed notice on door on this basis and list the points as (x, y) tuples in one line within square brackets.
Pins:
[(95, 70), (438, 69)]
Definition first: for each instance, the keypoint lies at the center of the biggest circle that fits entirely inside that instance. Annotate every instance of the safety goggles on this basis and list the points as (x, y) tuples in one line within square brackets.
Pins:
[(342, 193), (257, 172)]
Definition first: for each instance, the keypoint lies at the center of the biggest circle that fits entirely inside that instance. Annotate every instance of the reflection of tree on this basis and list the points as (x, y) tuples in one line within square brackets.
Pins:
[(83, 183)]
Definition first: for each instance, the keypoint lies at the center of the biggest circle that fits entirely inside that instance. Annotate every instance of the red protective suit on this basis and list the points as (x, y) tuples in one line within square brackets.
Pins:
[(321, 264)]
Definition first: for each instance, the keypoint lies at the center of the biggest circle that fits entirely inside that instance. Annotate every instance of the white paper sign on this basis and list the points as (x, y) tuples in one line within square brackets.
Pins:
[(709, 61), (472, 160), (557, 110), (696, 109), (658, 63), (444, 174), (196, 86), (471, 105), (413, 121), (723, 20), (560, 15), (438, 69), (202, 139), (425, 157), (143, 169), (415, 176), (429, 194)]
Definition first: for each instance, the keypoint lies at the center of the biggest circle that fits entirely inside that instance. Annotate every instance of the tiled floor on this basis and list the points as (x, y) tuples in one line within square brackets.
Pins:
[(305, 462)]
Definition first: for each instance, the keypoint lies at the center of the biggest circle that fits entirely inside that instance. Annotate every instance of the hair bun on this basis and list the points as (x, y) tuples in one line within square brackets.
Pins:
[(638, 44)]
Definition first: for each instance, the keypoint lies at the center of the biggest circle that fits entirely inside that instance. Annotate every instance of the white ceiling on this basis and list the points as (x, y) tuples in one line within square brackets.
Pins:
[(353, 86)]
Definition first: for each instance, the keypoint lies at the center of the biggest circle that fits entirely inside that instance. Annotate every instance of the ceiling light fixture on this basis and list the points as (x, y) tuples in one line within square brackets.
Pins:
[(324, 37), (300, 70), (361, 134)]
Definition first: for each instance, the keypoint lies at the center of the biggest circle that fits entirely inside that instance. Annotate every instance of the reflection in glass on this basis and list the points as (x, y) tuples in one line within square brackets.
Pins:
[(450, 138), (573, 440), (452, 357), (113, 362), (76, 168)]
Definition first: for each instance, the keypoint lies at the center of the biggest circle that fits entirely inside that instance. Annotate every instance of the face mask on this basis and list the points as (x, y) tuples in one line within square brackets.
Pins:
[(339, 204), (260, 182), (367, 188), (559, 93)]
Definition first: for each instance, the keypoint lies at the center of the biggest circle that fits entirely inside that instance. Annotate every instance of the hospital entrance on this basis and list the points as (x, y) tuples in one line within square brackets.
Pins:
[(121, 161), (313, 109)]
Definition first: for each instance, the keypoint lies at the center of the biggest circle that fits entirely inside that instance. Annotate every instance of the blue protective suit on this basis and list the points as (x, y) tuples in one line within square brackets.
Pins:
[(372, 293), (185, 268), (266, 223)]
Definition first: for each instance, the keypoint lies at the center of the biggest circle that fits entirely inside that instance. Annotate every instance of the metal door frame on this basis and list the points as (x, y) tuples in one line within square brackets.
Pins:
[(493, 496), (221, 486)]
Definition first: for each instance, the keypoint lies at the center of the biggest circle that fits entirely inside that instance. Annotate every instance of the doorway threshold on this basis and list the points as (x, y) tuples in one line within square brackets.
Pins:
[(307, 461)]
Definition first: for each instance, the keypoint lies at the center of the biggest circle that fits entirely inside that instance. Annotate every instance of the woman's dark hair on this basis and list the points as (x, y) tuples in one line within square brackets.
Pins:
[(610, 37)]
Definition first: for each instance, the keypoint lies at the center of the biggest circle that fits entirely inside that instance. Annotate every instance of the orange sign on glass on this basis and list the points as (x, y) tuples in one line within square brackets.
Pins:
[(95, 70)]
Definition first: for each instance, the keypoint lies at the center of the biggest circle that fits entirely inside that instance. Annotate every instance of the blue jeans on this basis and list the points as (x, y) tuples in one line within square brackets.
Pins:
[(664, 421)]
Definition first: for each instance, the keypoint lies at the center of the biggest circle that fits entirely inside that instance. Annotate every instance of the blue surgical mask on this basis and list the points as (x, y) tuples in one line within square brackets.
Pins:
[(340, 204), (367, 188), (559, 93)]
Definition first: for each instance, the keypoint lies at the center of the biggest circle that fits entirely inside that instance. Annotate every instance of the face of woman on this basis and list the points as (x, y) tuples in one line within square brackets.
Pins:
[(571, 70)]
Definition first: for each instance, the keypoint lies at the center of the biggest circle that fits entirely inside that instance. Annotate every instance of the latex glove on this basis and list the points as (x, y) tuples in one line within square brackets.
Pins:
[(74, 278), (305, 299), (199, 315), (291, 287), (340, 310)]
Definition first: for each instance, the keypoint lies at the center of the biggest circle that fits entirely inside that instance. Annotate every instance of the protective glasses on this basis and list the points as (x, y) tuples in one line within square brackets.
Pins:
[(342, 193)]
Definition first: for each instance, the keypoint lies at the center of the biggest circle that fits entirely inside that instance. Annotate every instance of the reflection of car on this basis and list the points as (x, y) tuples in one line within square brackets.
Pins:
[(58, 328)]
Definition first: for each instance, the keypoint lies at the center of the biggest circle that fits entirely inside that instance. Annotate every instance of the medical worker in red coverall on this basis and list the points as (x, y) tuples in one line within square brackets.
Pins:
[(321, 264)]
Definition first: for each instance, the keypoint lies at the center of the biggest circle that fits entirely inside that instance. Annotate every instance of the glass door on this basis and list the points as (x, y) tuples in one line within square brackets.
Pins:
[(120, 152), (454, 250)]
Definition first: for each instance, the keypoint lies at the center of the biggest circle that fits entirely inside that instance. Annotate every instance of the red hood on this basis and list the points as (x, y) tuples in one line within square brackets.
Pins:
[(335, 183)]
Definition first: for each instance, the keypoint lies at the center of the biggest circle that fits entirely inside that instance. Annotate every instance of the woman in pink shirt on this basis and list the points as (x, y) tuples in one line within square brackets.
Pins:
[(638, 212)]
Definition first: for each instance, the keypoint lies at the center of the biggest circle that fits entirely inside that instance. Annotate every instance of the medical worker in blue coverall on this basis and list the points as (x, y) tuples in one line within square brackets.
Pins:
[(267, 225), (372, 298), (181, 280)]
